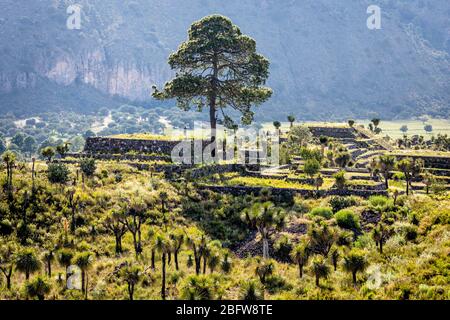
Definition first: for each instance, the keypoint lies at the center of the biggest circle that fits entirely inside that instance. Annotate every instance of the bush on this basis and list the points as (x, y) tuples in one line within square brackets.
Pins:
[(378, 201), (251, 291), (340, 180), (6, 228), (283, 248), (199, 287), (327, 213), (58, 173), (88, 167), (338, 203), (398, 176), (347, 219), (275, 283), (311, 167)]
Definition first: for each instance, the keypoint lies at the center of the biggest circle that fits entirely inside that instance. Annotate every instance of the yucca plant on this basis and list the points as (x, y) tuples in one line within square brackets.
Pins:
[(355, 262), (320, 269), (251, 291)]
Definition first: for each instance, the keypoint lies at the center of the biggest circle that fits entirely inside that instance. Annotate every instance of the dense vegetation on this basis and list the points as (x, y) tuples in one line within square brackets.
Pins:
[(135, 235)]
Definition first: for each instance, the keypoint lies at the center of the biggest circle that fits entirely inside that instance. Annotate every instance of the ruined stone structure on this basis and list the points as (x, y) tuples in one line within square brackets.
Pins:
[(437, 162), (333, 132)]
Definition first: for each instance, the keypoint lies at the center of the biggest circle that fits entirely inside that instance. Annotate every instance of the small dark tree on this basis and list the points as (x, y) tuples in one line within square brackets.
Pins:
[(320, 269), (27, 262), (300, 255), (131, 274), (48, 153), (387, 164), (355, 262), (291, 120), (112, 223), (265, 218), (39, 288)]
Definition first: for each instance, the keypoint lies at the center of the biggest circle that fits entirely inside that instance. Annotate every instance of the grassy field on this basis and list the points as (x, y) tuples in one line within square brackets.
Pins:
[(415, 127), (391, 128)]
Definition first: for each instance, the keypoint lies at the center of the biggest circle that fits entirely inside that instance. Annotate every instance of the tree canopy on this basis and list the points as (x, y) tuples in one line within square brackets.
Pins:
[(218, 67)]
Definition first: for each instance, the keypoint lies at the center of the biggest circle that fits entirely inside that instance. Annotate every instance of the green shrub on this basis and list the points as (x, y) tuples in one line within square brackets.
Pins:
[(6, 228), (88, 167), (311, 167), (339, 203), (347, 219), (340, 180), (276, 283), (398, 176), (326, 213), (378, 201), (58, 173), (283, 248)]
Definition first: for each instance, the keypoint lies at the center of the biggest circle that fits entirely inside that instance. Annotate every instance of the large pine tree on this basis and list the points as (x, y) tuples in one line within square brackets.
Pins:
[(217, 67)]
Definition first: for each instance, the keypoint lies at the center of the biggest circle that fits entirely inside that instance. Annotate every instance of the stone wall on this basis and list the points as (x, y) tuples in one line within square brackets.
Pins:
[(148, 148), (339, 133), (119, 157), (287, 194), (99, 145), (438, 162)]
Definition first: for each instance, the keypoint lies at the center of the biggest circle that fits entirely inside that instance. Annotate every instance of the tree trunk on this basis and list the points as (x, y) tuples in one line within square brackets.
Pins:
[(407, 187), (317, 281), (118, 245), (163, 285), (300, 270), (8, 278), (197, 259), (212, 108), (204, 264), (213, 122), (83, 280), (381, 247), (27, 275), (265, 248), (386, 182), (131, 290), (86, 287), (175, 258), (153, 259), (354, 278), (49, 268)]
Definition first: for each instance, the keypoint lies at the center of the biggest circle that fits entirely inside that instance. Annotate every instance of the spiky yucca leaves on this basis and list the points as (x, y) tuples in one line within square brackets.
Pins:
[(131, 274), (266, 218), (264, 269), (27, 262), (355, 261), (38, 287), (386, 164), (320, 269), (197, 287), (251, 291), (300, 255), (84, 261)]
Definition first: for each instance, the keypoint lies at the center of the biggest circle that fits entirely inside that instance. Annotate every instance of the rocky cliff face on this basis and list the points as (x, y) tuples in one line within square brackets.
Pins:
[(325, 62)]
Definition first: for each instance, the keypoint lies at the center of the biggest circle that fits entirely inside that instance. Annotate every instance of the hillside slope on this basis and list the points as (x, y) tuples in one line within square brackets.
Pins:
[(325, 62)]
